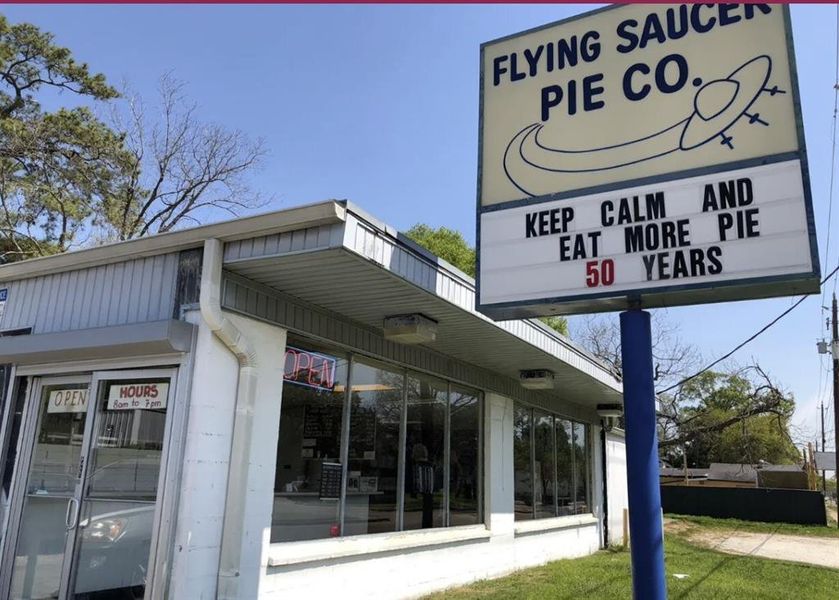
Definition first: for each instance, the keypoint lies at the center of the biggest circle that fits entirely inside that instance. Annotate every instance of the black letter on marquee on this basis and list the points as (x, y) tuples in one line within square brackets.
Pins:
[(714, 254), (530, 224)]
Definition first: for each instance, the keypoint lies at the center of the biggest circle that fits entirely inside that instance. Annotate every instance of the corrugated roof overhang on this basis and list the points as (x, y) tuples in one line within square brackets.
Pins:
[(365, 271)]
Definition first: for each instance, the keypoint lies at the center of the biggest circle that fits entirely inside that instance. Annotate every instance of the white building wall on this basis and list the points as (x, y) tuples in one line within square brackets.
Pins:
[(414, 572), (206, 457), (389, 565), (617, 491)]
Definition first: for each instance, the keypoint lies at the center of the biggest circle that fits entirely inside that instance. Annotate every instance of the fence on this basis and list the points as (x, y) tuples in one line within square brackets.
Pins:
[(749, 504)]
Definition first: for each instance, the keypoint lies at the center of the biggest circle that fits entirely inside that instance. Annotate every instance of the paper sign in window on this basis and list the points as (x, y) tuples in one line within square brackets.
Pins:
[(138, 396)]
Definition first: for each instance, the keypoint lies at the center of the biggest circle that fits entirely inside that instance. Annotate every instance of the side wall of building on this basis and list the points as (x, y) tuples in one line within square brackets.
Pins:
[(134, 291)]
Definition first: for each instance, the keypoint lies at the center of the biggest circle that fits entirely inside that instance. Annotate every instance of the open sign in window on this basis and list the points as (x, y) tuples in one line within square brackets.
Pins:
[(309, 369)]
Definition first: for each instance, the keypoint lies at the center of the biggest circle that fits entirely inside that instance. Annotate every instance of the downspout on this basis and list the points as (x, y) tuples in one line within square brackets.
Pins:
[(230, 553)]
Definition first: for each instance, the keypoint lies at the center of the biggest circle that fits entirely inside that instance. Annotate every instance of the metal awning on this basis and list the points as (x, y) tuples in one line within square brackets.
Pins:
[(142, 339), (366, 271)]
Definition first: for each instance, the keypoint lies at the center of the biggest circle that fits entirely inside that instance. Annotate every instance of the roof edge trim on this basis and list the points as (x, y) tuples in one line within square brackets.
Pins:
[(309, 215)]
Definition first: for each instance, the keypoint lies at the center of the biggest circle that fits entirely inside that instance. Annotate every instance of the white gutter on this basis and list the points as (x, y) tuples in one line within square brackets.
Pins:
[(237, 475)]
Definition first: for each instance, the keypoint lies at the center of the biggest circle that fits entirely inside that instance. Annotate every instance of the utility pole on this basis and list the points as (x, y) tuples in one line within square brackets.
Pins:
[(835, 350), (824, 479)]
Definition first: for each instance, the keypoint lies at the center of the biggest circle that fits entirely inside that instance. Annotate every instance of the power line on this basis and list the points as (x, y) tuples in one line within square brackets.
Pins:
[(749, 339), (832, 155)]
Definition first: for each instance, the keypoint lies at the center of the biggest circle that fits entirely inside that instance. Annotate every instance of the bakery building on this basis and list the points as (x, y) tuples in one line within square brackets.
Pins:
[(301, 404)]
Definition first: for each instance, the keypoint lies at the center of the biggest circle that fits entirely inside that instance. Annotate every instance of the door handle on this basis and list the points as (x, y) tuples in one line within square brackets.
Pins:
[(71, 518)]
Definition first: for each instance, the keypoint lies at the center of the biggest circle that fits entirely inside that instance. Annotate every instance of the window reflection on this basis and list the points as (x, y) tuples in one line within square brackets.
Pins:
[(558, 464), (375, 414), (543, 438), (464, 462), (522, 464), (424, 453), (386, 405), (564, 467), (310, 435), (581, 475)]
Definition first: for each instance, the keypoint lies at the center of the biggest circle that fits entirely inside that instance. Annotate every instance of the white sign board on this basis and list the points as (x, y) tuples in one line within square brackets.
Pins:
[(643, 155), (138, 396), (67, 401)]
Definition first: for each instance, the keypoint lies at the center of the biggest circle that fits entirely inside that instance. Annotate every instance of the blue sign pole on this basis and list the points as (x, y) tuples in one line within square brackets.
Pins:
[(645, 531)]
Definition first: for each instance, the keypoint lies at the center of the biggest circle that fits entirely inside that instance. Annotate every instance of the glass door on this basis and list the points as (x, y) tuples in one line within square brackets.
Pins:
[(118, 511), (49, 507), (88, 512)]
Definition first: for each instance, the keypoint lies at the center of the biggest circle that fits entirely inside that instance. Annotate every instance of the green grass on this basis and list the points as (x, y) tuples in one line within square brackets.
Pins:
[(757, 527), (711, 575)]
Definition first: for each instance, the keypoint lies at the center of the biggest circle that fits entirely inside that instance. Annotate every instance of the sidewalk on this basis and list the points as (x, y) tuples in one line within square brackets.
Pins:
[(821, 552)]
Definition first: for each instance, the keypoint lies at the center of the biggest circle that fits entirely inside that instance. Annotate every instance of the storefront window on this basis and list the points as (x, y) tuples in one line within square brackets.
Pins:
[(581, 474), (558, 464), (543, 444), (564, 468), (433, 475), (522, 459), (425, 453), (309, 442), (464, 462), (9, 451), (375, 415)]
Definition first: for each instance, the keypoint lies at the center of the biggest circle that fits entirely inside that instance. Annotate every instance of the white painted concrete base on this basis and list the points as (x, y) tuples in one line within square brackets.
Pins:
[(414, 573)]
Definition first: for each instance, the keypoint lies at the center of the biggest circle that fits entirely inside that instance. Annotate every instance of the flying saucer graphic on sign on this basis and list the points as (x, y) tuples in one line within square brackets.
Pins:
[(718, 106)]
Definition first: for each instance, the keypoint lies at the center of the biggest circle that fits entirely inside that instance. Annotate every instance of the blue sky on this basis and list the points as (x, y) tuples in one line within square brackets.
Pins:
[(379, 105)]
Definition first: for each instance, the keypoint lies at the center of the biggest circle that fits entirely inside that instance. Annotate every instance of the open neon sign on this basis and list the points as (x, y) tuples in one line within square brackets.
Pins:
[(309, 369)]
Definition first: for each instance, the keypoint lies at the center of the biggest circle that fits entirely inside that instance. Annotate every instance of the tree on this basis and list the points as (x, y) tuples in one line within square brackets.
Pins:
[(736, 415), (179, 168), (54, 167), (68, 177), (672, 357), (451, 246), (448, 244)]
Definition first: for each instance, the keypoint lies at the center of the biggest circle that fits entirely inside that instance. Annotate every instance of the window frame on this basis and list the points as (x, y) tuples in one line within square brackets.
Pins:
[(573, 502), (353, 358)]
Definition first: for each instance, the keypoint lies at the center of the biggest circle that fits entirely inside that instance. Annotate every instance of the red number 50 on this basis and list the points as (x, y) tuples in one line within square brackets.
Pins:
[(600, 273)]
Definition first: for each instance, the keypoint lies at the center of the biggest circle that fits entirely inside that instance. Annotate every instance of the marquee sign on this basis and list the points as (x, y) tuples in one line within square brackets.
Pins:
[(646, 156)]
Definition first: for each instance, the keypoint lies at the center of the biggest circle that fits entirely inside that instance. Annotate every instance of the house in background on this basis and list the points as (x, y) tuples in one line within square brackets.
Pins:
[(734, 475)]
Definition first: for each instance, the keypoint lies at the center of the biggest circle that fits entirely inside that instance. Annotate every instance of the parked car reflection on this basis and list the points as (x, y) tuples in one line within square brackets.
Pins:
[(116, 526)]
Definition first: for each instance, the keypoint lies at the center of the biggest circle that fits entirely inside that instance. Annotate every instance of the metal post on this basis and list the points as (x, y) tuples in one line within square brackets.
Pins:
[(645, 529), (824, 479), (835, 350)]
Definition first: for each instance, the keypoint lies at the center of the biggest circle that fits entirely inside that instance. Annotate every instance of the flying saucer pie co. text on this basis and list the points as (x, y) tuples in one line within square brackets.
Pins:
[(643, 155)]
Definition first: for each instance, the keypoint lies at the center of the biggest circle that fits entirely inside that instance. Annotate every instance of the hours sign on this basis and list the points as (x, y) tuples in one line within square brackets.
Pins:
[(643, 156)]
